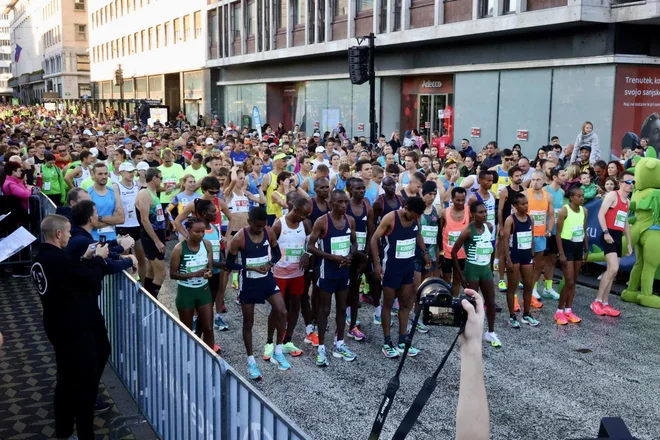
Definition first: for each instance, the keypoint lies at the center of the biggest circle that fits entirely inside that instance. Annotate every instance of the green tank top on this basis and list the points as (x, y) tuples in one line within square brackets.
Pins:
[(478, 247), (192, 262), (573, 228), (429, 223)]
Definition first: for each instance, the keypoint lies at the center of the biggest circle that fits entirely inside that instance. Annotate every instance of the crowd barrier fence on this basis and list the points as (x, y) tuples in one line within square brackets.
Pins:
[(182, 388)]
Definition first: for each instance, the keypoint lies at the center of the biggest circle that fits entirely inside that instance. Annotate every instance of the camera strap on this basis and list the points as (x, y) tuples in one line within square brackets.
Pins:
[(423, 396), (392, 385)]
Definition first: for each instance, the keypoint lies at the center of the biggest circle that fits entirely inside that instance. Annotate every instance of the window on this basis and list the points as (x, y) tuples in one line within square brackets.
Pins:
[(123, 47), (177, 30), (112, 11), (341, 7), (186, 28), (123, 7), (135, 42), (365, 5), (279, 12), (249, 18), (166, 33), (79, 5), (159, 35), (509, 6), (152, 42), (113, 48), (82, 63), (299, 11), (129, 6), (236, 11), (485, 8), (81, 32), (198, 24), (143, 38), (130, 45)]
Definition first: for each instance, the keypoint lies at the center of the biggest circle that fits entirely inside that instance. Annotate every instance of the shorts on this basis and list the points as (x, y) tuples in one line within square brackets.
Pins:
[(271, 219), (398, 279), (615, 247), (333, 285), (539, 244), (192, 297), (420, 266), (293, 286), (551, 247), (256, 291), (474, 272), (521, 256), (574, 251), (165, 205), (448, 264), (214, 285), (131, 231), (150, 249)]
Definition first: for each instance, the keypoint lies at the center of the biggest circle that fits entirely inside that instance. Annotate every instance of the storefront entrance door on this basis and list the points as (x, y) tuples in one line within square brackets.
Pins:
[(431, 109)]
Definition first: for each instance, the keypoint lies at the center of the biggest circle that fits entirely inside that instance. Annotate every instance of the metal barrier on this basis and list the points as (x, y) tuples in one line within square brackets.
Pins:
[(182, 388)]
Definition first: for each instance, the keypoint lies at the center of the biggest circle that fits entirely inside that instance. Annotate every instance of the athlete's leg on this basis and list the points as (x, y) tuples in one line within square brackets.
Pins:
[(539, 264), (325, 301), (569, 283), (406, 295), (159, 275), (549, 270), (388, 299), (186, 317), (138, 250), (608, 277), (340, 299), (513, 277), (502, 254), (248, 322), (293, 310), (527, 273), (205, 323), (305, 306), (278, 312), (488, 291)]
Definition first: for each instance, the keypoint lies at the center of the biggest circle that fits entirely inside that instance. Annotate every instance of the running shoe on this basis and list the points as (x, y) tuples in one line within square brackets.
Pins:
[(234, 280), (529, 319), (513, 322), (536, 303), (498, 309), (520, 285), (550, 294), (502, 286), (412, 351), (73, 437), (560, 318), (598, 308), (516, 304), (493, 339), (281, 362), (356, 334), (421, 327), (291, 349), (312, 338), (216, 348), (238, 300), (572, 317), (269, 349), (220, 323), (194, 326), (100, 406), (389, 351), (377, 320), (321, 360), (348, 321), (342, 351), (224, 309), (253, 371), (609, 311), (367, 299)]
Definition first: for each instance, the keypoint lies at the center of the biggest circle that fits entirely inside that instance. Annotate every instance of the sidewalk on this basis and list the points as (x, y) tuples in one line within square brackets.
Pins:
[(27, 373)]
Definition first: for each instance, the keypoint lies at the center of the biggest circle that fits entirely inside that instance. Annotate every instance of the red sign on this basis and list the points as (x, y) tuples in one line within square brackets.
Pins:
[(360, 127), (475, 132), (427, 124), (522, 135), (636, 107), (317, 124)]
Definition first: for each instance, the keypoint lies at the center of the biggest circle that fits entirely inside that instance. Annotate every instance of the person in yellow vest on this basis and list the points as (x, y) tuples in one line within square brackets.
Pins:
[(170, 184), (271, 184)]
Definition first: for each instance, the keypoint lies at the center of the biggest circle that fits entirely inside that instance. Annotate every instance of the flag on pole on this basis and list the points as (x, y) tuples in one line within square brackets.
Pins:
[(17, 55)]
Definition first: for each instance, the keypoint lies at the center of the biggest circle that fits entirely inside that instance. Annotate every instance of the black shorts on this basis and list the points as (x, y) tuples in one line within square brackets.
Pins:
[(615, 247), (132, 231), (551, 246), (448, 265), (573, 250), (150, 249), (214, 284), (271, 219)]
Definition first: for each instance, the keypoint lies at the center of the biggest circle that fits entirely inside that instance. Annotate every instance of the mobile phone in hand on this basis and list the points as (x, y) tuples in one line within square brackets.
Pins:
[(102, 240)]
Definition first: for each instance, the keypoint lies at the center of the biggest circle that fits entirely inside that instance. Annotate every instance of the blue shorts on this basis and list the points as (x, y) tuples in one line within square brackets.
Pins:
[(539, 244), (333, 285), (256, 291), (394, 280), (420, 266), (521, 256)]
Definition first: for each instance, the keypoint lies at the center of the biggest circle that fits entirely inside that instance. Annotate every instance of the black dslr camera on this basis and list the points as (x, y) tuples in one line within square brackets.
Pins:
[(438, 304)]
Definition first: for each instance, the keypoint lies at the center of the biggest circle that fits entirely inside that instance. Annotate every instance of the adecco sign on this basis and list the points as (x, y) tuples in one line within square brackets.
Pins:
[(428, 84), (419, 85)]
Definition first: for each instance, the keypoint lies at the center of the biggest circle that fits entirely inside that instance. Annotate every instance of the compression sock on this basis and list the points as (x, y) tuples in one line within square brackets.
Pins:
[(548, 284), (156, 289), (269, 340), (149, 285)]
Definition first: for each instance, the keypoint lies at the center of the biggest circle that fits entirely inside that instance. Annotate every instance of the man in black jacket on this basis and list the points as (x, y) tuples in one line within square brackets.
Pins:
[(69, 288), (74, 196)]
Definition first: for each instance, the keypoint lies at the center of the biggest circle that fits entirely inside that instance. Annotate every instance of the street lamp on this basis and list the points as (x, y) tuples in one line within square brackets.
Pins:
[(119, 81)]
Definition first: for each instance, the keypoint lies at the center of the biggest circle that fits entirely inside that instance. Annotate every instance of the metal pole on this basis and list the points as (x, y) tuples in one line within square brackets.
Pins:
[(372, 90), (121, 91)]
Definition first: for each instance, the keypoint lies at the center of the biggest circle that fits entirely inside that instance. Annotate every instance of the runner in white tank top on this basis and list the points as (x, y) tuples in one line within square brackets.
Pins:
[(128, 196)]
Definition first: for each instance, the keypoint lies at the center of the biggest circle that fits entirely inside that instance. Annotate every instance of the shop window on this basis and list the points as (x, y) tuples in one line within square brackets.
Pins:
[(365, 5), (485, 8)]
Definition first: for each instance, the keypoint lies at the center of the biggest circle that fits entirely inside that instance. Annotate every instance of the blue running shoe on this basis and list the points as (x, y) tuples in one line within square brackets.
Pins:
[(253, 371), (342, 351), (281, 362), (389, 351), (412, 351), (194, 327), (377, 320), (220, 324), (348, 321), (321, 360)]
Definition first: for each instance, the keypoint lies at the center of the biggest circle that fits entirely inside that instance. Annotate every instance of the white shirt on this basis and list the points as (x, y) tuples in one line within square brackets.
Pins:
[(317, 162)]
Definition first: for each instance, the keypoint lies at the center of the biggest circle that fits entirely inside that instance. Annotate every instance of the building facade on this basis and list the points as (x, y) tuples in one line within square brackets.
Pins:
[(5, 58), (52, 37), (160, 47), (515, 71)]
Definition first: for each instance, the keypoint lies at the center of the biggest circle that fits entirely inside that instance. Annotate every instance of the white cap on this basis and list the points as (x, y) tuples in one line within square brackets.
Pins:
[(126, 166), (87, 132), (135, 127), (209, 141), (316, 135), (142, 166), (94, 151), (320, 150), (99, 133), (148, 145)]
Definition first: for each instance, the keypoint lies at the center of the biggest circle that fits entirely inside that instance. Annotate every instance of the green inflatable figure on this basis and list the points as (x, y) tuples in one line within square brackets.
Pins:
[(645, 232)]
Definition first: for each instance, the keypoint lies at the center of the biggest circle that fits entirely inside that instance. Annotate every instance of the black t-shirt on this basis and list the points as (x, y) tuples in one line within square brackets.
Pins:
[(153, 164)]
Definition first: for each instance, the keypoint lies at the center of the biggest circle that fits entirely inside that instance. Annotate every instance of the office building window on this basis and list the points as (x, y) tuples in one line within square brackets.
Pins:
[(509, 6), (279, 13), (236, 19), (186, 28), (79, 5), (152, 42), (166, 33), (299, 11), (81, 32), (197, 22), (135, 42), (143, 37), (159, 35), (177, 30), (364, 5), (123, 7), (249, 17), (82, 63), (124, 48), (129, 5), (131, 50), (341, 7), (113, 48), (112, 11), (485, 8)]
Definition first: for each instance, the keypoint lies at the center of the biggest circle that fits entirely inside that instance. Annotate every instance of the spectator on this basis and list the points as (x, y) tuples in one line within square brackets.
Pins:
[(493, 157), (52, 180), (590, 189), (587, 138), (395, 142), (14, 185), (72, 198)]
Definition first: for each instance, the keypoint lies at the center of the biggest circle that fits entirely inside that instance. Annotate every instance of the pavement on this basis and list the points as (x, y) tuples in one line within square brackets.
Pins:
[(548, 382)]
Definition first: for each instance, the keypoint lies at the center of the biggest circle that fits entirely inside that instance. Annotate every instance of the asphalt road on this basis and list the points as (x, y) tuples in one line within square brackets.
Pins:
[(547, 382)]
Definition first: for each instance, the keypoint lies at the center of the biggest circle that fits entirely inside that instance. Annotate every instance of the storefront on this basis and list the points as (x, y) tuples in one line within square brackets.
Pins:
[(427, 102)]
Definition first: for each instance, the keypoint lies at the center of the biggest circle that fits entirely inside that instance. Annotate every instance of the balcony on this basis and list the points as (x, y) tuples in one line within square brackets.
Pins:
[(13, 82)]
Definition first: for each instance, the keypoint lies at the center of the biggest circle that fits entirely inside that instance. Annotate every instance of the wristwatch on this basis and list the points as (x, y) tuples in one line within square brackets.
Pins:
[(100, 218), (605, 231)]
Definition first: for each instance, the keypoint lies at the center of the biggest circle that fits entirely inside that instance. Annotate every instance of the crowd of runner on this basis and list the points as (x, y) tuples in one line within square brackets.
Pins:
[(295, 219)]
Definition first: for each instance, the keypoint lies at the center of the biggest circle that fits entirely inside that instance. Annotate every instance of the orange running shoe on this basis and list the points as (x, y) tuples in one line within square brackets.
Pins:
[(536, 303), (516, 305), (313, 339), (560, 318), (609, 311), (598, 308), (572, 317)]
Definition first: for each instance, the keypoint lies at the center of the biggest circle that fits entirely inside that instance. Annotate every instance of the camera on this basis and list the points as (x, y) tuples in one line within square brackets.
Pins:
[(439, 307)]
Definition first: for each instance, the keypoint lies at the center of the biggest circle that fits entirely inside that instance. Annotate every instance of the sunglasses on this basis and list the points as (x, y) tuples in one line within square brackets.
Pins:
[(629, 182), (212, 192), (509, 159)]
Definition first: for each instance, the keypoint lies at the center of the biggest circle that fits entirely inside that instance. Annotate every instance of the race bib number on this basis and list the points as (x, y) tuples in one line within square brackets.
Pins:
[(490, 216), (577, 234), (46, 186), (160, 217), (620, 220), (361, 240), (285, 211), (430, 234), (405, 248), (130, 212), (242, 205), (557, 213), (255, 262), (215, 248), (538, 217), (484, 250), (452, 236), (293, 255), (106, 230), (524, 240), (340, 245)]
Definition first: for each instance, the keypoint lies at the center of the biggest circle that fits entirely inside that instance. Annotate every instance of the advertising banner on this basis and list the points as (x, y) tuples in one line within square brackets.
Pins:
[(256, 119), (636, 107)]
